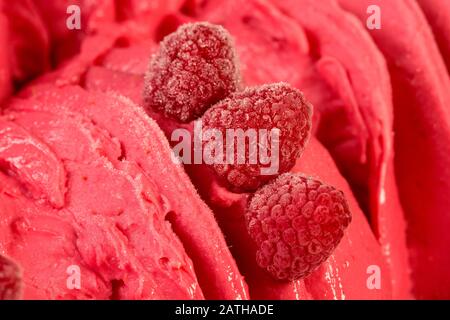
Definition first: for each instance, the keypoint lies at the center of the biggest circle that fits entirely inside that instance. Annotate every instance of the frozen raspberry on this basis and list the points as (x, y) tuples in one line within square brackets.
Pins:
[(262, 111), (195, 67), (10, 282), (296, 223)]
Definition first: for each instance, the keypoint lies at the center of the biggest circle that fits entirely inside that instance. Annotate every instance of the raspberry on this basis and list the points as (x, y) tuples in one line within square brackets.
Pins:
[(10, 282), (272, 106), (195, 67), (296, 223)]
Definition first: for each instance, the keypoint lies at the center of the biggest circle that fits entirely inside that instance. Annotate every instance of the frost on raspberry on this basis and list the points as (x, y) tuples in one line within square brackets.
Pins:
[(296, 222), (262, 109), (195, 67)]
